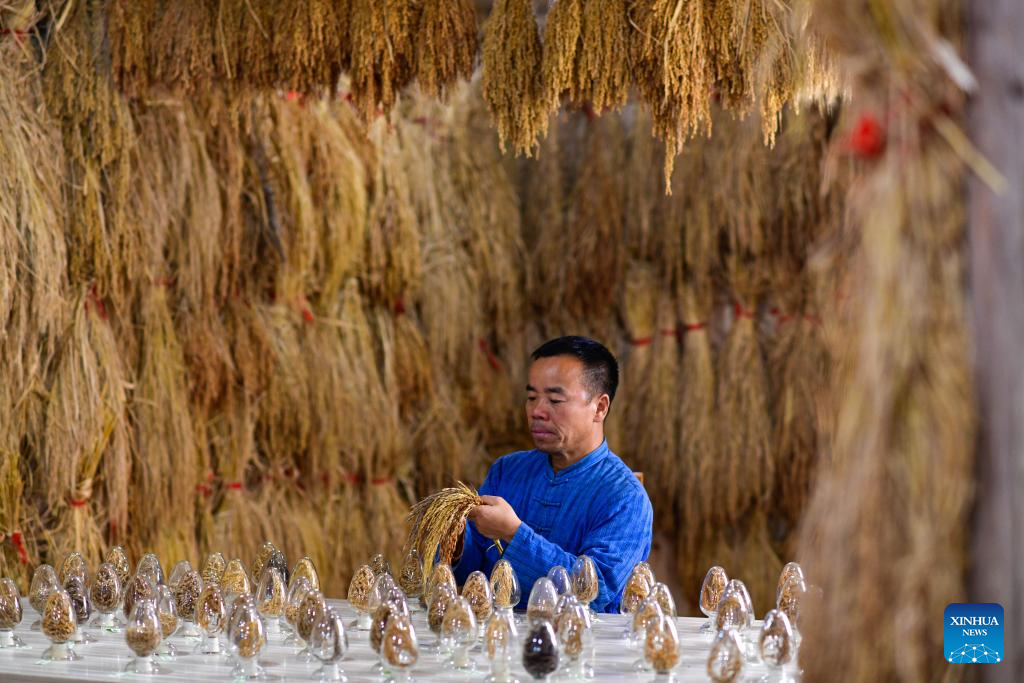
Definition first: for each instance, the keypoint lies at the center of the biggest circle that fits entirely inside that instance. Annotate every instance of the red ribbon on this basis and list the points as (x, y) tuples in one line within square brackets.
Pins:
[(97, 303), (19, 545), (204, 489), (867, 137), (235, 486), (399, 306), (351, 477), (18, 34), (743, 313), (694, 327), (79, 502), (382, 481), (642, 341), (492, 360)]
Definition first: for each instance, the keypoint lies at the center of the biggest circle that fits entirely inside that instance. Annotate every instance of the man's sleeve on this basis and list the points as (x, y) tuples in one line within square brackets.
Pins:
[(620, 539), (475, 545)]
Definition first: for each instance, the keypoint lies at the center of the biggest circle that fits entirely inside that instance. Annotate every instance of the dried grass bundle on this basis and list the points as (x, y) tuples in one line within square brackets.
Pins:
[(672, 71), (383, 52), (563, 42), (14, 558), (168, 467), (310, 44), (183, 42), (745, 468), (392, 263), (512, 84), (437, 521), (446, 45), (85, 437)]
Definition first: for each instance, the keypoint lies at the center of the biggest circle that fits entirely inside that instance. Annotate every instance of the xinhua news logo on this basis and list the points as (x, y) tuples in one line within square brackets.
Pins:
[(974, 633)]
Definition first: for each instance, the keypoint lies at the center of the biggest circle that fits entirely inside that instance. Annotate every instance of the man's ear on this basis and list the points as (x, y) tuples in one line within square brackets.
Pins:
[(603, 404)]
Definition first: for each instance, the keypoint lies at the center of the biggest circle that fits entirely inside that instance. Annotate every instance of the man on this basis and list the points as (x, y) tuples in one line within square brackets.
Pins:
[(571, 495)]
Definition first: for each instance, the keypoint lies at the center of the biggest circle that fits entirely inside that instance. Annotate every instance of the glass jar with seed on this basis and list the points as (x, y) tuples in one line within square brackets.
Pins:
[(791, 569), (725, 660), (59, 624), (10, 614), (442, 598), (644, 569), (181, 567), (647, 614), (500, 644), (440, 573), (359, 590), (167, 613), (75, 587), (574, 636), (540, 650), (732, 612), (106, 594), (310, 609), (776, 641), (186, 595), (380, 565), (585, 584), (411, 577), (329, 643), (400, 647), (210, 617), (790, 601), (143, 636), (636, 591), (213, 568), (248, 639), (294, 601), (139, 588), (279, 562), (559, 576), (235, 581), (270, 599), (661, 648), (150, 567), (477, 590), (711, 590), (305, 568), (505, 586), (381, 615), (44, 582), (663, 595), (459, 633), (543, 601), (262, 557), (73, 565), (119, 558)]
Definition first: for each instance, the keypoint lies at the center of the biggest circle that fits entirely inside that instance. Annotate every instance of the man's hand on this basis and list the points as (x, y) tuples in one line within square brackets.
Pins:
[(495, 518)]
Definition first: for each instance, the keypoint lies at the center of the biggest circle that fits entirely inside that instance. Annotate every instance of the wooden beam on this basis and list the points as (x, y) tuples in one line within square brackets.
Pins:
[(995, 32)]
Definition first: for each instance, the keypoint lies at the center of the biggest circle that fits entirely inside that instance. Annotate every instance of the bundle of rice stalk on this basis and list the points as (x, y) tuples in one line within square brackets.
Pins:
[(443, 444), (512, 84), (180, 43), (672, 70), (383, 52), (15, 557), (745, 469), (285, 426), (698, 438), (168, 465), (905, 430), (309, 44), (586, 48), (131, 42), (338, 180), (446, 45), (104, 243), (487, 208), (543, 189), (594, 226), (657, 434), (644, 190), (638, 310), (756, 561), (392, 259), (85, 437), (437, 521)]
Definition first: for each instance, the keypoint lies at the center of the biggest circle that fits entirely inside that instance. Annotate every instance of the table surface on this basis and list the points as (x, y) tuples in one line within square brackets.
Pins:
[(106, 659)]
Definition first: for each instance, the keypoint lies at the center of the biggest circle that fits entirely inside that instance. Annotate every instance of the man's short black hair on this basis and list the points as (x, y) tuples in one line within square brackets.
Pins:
[(600, 369)]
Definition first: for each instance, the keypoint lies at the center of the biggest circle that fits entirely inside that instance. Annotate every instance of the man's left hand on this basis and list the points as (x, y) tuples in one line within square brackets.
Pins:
[(495, 518)]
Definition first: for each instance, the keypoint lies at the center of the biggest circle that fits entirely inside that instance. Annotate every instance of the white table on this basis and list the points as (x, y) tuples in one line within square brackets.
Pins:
[(105, 659)]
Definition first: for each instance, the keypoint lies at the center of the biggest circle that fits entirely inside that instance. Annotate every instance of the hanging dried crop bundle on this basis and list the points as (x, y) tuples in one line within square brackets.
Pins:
[(310, 43), (446, 45), (512, 84), (180, 43), (438, 521), (563, 41), (672, 71), (383, 52)]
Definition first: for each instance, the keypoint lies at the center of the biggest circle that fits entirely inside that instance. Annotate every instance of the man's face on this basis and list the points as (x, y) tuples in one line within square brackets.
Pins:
[(561, 413)]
